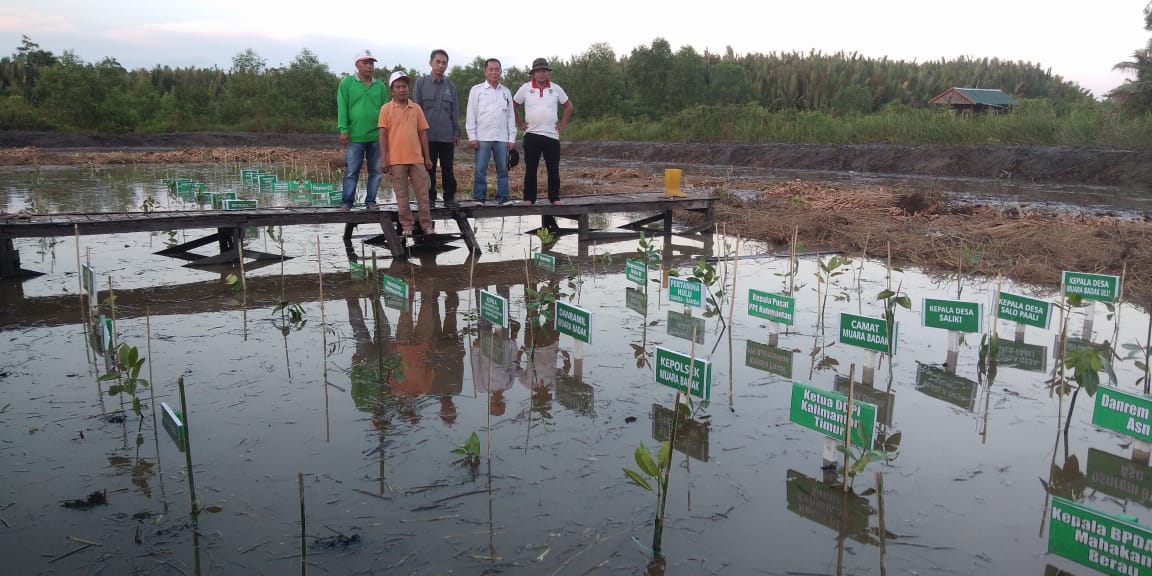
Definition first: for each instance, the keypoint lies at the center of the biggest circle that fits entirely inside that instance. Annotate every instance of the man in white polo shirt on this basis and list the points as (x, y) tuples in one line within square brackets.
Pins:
[(541, 99)]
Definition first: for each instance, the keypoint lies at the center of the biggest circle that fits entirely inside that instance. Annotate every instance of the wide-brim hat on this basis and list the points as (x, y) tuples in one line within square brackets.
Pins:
[(513, 158), (540, 64)]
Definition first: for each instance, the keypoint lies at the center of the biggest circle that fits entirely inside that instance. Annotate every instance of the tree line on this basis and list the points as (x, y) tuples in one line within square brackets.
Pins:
[(40, 90)]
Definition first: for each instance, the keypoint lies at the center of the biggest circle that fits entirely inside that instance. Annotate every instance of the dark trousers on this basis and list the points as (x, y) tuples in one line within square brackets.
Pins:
[(535, 146), (444, 153)]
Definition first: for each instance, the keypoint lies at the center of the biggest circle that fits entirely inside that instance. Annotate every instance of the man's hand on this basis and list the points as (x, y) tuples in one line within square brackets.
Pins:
[(385, 168), (473, 144), (455, 140), (344, 140), (511, 145), (427, 163)]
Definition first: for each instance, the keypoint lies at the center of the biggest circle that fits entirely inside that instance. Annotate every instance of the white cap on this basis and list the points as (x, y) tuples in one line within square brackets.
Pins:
[(365, 55), (398, 75)]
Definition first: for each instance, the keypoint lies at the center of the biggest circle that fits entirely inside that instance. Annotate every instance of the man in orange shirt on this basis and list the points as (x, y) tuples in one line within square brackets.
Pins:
[(404, 152)]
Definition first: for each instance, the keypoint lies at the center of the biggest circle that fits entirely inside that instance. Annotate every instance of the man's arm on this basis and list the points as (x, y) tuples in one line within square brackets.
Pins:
[(342, 113), (511, 121), (567, 114), (455, 114), (470, 119), (383, 149), (424, 149)]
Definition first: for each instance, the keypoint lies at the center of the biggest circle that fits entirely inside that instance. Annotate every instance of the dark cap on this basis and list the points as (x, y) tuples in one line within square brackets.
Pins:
[(540, 64)]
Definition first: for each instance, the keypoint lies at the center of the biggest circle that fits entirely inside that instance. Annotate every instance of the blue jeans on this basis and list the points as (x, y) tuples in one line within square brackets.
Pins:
[(354, 156), (498, 151)]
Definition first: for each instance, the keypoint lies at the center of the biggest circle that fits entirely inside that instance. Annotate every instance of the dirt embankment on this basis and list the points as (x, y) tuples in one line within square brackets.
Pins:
[(919, 227), (1064, 165)]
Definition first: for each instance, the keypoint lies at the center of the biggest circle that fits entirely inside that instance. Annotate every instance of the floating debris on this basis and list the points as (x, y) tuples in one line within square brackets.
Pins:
[(97, 498)]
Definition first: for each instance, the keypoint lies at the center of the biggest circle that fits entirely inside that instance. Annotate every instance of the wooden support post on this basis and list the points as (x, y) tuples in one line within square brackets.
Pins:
[(466, 232), (582, 227), (10, 261)]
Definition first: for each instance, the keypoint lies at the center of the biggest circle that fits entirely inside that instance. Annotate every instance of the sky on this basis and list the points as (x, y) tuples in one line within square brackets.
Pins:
[(1080, 42)]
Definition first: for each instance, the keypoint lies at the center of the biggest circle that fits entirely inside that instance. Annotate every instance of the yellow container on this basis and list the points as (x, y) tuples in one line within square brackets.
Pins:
[(672, 182)]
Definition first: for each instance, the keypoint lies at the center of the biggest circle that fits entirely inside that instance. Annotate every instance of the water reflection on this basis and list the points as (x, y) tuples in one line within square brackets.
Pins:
[(406, 370)]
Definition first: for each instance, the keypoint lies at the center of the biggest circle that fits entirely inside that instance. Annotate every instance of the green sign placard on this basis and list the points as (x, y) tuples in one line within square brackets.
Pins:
[(1099, 541), (824, 504), (1119, 477), (494, 308), (771, 306), (939, 384), (778, 361), (1025, 310), (686, 292), (173, 423), (636, 300), (1030, 357), (88, 279), (236, 204), (546, 262), (574, 321), (1100, 287), (672, 370), (393, 287), (1128, 414), (884, 401), (107, 338), (868, 333), (691, 435), (685, 326), (827, 413), (494, 346), (952, 315), (636, 271)]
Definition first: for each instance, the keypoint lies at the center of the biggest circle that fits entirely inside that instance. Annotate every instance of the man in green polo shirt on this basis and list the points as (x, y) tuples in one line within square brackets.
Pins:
[(358, 102)]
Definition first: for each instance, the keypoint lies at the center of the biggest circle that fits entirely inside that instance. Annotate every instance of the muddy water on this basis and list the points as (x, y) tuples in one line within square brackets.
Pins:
[(274, 406)]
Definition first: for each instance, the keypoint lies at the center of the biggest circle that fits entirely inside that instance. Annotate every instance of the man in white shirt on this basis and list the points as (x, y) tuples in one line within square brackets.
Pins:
[(541, 98), (491, 126)]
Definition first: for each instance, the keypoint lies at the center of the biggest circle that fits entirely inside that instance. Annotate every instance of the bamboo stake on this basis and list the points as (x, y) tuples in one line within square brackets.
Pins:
[(848, 423), (880, 514), (323, 341), (792, 263), (731, 312), (188, 452), (303, 527)]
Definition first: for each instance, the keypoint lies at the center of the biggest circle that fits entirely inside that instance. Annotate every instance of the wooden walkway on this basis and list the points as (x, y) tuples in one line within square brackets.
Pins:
[(230, 225)]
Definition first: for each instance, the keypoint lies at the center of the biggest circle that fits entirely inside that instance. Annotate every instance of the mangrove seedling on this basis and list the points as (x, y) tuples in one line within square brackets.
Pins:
[(1085, 362), (291, 317), (892, 299), (653, 470), (646, 252), (860, 458), (989, 355), (826, 271), (545, 236), (469, 452), (126, 372), (705, 273)]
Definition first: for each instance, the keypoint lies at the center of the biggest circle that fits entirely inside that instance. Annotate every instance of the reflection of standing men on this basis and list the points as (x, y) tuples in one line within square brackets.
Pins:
[(358, 102), (367, 370), (541, 97), (449, 378), (414, 343), (495, 376), (436, 95)]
